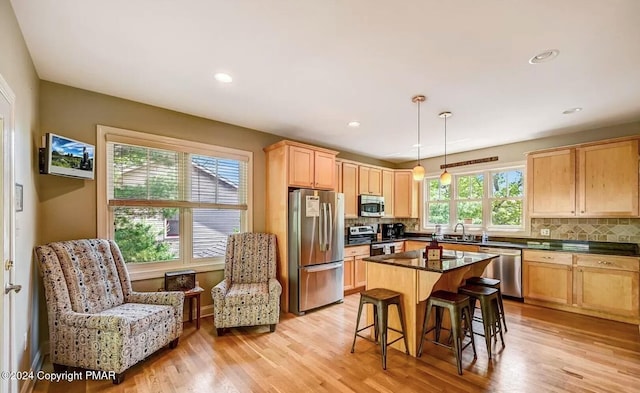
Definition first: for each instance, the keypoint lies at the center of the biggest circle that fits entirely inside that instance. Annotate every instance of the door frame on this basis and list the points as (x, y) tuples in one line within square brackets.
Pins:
[(7, 236)]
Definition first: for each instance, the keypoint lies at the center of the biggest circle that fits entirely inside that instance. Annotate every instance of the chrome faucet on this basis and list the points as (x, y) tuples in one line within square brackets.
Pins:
[(455, 229)]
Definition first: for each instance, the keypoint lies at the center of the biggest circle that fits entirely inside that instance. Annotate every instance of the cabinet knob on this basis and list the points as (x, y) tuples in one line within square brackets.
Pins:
[(572, 211), (581, 211)]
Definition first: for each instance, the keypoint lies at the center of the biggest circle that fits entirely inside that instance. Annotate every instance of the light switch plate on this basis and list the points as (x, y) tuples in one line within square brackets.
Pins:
[(545, 232)]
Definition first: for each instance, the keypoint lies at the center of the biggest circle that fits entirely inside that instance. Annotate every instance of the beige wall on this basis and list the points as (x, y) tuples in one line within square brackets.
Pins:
[(18, 71), (515, 151), (75, 113)]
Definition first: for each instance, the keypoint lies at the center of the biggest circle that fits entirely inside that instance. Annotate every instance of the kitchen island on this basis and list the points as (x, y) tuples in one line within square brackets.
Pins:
[(416, 278)]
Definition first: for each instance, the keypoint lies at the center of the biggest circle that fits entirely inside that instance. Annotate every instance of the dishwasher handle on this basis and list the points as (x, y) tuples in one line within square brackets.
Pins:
[(501, 251)]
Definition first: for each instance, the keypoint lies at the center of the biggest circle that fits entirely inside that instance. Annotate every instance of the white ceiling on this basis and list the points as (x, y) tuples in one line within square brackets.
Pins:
[(303, 69)]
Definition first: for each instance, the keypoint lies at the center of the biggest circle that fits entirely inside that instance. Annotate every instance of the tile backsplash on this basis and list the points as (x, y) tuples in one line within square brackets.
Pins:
[(620, 230), (410, 223)]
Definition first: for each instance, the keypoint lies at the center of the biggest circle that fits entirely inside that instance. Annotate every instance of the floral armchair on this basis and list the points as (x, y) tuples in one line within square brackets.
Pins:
[(96, 321), (249, 295)]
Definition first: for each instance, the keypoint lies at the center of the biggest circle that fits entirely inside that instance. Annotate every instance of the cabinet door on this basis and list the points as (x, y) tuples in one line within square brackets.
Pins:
[(349, 273), (324, 174), (411, 245), (360, 271), (301, 167), (338, 176), (552, 184), (370, 180), (460, 247), (608, 179), (547, 282), (350, 189), (405, 196), (375, 181), (607, 290), (387, 193)]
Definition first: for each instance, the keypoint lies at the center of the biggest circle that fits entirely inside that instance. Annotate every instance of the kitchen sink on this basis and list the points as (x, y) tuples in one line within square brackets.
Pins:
[(459, 239)]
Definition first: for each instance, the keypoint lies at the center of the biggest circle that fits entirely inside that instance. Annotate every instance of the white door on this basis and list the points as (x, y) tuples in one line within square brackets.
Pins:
[(7, 233)]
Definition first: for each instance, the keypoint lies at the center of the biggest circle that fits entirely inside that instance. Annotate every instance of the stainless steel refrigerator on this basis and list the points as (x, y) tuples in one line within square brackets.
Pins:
[(316, 249)]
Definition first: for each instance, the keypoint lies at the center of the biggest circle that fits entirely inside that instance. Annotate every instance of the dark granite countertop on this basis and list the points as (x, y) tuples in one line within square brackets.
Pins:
[(574, 246), (451, 260)]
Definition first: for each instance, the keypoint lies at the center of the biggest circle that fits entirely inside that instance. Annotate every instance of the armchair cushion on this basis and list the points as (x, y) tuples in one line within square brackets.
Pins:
[(250, 293)]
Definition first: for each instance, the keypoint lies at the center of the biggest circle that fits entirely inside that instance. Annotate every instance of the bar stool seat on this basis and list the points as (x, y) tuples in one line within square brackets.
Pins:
[(459, 310), (491, 283), (381, 299), (488, 298)]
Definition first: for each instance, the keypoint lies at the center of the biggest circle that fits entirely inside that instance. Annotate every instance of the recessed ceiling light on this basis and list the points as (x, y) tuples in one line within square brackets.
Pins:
[(222, 77), (354, 124), (417, 145), (572, 110), (544, 56)]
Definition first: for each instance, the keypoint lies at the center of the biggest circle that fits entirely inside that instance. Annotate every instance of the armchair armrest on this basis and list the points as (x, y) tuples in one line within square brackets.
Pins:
[(220, 290), (173, 298), (112, 323), (275, 289)]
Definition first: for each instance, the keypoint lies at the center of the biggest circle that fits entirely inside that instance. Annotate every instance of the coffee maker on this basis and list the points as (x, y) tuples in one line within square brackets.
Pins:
[(398, 230), (388, 231)]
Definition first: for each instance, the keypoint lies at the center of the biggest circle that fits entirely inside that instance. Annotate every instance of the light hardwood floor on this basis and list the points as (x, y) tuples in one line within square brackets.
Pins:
[(546, 351)]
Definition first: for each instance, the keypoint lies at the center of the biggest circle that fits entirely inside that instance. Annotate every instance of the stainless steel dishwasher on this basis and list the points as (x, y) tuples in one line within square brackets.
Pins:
[(507, 268)]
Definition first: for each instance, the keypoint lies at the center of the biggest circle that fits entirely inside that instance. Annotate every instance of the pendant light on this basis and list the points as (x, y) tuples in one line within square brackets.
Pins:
[(445, 177), (418, 170)]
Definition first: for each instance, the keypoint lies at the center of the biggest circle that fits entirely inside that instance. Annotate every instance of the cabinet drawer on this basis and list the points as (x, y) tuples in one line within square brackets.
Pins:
[(560, 258), (631, 264), (356, 250)]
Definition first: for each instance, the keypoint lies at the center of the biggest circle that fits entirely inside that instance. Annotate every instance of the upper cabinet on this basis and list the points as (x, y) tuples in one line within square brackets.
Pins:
[(306, 166), (350, 189), (405, 197), (388, 188), (591, 180), (370, 180), (338, 174)]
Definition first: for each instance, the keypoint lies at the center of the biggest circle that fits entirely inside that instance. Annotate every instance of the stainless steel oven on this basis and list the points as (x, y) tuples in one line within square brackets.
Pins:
[(382, 249), (370, 206)]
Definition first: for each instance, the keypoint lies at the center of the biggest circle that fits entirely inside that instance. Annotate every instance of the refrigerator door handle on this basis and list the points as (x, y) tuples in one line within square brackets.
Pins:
[(321, 229), (320, 268), (330, 237)]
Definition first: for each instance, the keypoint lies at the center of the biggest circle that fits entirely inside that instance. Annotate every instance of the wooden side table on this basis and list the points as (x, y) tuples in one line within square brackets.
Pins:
[(191, 295)]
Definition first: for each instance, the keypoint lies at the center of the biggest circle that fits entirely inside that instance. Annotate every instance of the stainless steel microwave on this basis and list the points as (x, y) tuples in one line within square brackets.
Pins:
[(370, 206)]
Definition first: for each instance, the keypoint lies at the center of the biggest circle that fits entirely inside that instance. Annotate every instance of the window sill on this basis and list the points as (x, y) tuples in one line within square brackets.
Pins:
[(141, 272)]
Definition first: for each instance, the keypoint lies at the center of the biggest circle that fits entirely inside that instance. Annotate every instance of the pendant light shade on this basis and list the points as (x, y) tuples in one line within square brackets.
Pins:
[(418, 171), (445, 177)]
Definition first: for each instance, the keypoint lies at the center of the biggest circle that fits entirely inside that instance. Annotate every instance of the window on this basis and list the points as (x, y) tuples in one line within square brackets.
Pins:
[(167, 202), (469, 193), (506, 196), (437, 202), (486, 200)]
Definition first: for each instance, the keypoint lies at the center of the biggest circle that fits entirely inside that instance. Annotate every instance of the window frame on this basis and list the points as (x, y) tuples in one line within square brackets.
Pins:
[(147, 270), (486, 171)]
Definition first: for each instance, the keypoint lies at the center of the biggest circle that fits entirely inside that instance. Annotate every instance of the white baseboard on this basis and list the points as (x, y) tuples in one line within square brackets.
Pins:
[(36, 366), (206, 311)]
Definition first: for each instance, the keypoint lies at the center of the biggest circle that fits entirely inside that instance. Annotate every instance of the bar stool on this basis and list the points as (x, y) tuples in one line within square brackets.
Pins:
[(381, 298), (459, 309), (491, 283), (488, 298)]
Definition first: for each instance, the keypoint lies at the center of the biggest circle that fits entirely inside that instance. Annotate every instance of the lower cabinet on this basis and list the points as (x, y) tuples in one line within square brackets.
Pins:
[(460, 247), (355, 277), (605, 286)]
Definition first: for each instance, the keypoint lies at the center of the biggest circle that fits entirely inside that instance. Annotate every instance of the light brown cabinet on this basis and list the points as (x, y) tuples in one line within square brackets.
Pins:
[(600, 285), (460, 247), (607, 284), (591, 180), (338, 174), (387, 192), (350, 189), (411, 245), (547, 276), (405, 197), (355, 277), (369, 180), (310, 168)]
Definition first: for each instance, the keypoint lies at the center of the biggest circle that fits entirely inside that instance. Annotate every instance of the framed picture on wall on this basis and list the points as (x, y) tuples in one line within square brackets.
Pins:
[(19, 198)]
